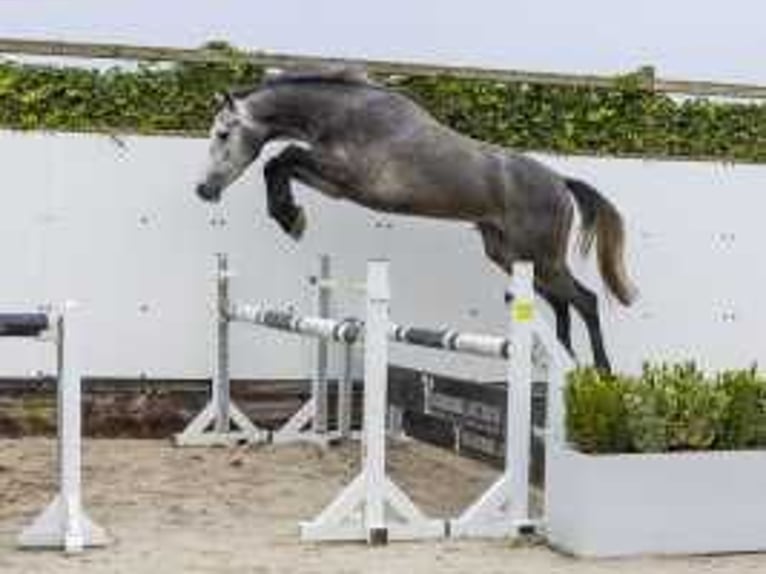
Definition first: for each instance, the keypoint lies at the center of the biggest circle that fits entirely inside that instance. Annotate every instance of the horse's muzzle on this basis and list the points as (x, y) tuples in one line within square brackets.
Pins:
[(208, 193)]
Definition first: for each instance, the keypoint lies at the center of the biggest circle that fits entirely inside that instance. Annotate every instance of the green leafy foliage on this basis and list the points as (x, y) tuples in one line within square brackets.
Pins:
[(147, 99), (744, 422), (595, 412), (667, 408), (627, 120)]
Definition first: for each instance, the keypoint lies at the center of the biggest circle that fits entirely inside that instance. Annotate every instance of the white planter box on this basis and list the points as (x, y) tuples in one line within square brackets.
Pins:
[(681, 503)]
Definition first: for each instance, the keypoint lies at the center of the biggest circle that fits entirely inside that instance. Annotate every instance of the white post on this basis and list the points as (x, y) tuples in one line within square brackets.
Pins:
[(221, 381), (346, 393), (63, 523), (221, 422), (70, 432), (310, 422), (519, 407), (372, 507), (375, 398), (319, 381), (503, 510)]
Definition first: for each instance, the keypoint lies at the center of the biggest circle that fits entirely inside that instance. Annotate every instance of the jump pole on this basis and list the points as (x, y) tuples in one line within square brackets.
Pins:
[(372, 508), (64, 524)]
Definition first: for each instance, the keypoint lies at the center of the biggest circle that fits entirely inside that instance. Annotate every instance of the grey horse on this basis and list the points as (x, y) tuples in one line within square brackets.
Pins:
[(356, 140)]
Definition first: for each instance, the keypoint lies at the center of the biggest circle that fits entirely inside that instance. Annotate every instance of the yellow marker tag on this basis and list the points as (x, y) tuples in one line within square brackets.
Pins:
[(522, 311)]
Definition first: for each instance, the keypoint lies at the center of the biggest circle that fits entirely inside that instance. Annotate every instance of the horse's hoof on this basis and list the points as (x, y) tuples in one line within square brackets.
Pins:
[(298, 226)]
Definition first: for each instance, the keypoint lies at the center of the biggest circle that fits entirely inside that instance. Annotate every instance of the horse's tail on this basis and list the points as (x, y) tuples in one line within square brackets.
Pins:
[(602, 223)]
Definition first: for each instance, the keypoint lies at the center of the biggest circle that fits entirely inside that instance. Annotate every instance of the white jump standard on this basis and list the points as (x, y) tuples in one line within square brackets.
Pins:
[(221, 422), (372, 507), (63, 524)]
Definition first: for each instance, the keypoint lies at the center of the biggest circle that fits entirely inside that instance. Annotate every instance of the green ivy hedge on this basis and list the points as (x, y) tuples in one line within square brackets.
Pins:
[(667, 408), (178, 99)]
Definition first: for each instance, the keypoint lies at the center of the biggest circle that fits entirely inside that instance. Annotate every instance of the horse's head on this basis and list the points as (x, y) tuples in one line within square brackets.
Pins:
[(236, 139)]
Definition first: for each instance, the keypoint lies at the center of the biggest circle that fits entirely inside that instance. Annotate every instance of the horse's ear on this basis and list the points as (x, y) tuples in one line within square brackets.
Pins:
[(224, 99)]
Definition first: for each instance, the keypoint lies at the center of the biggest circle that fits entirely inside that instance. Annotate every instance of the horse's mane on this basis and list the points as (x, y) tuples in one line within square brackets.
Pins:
[(348, 75), (345, 76)]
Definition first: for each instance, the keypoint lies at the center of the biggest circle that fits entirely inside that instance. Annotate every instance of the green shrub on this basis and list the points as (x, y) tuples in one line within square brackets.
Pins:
[(595, 412), (667, 408), (744, 422)]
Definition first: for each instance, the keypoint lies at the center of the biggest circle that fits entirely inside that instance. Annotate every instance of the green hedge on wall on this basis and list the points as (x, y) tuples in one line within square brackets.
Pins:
[(178, 98)]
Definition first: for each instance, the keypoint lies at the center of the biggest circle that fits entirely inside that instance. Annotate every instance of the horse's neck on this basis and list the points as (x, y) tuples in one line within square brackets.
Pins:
[(302, 114)]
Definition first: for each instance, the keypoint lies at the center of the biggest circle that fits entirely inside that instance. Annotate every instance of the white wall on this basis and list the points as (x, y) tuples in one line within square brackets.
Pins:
[(119, 230)]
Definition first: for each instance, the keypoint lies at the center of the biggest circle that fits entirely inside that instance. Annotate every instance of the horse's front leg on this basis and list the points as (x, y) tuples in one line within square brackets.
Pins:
[(308, 167), (279, 195)]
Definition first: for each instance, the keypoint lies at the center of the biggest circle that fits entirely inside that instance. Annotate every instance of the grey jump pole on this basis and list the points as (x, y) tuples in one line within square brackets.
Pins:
[(63, 524)]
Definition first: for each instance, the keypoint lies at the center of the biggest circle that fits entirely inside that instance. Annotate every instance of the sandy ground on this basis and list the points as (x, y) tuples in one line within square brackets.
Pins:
[(236, 511)]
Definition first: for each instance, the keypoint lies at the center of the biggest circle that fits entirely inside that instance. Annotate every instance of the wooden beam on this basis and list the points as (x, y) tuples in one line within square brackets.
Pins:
[(645, 74)]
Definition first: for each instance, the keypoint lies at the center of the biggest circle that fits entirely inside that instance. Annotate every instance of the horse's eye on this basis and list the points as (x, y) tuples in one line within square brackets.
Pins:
[(223, 136)]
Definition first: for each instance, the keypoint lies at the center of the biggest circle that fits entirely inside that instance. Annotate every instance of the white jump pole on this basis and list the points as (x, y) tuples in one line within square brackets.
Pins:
[(64, 524), (503, 510), (372, 508)]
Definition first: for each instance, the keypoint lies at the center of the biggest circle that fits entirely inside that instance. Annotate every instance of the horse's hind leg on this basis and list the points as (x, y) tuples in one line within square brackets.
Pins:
[(560, 308), (565, 287), (496, 249)]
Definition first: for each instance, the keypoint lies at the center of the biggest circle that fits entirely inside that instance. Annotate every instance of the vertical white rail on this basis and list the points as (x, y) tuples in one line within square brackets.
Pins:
[(519, 407), (503, 509), (63, 524), (375, 397), (222, 383), (221, 422), (372, 508), (319, 380), (70, 432), (346, 393)]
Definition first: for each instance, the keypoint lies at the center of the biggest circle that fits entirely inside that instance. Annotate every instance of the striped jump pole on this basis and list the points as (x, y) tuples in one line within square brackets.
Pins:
[(353, 331), (64, 524)]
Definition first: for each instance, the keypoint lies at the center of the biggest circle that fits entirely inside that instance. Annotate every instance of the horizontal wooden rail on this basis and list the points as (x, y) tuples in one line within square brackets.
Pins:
[(645, 74)]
